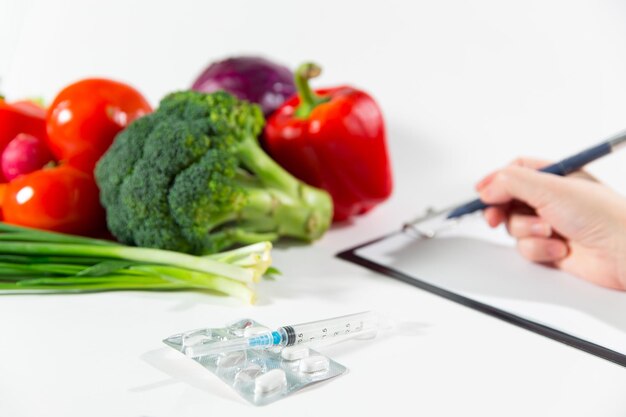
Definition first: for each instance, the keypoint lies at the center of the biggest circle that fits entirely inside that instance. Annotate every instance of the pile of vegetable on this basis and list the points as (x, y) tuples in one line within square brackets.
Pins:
[(192, 177), (249, 154), (41, 261), (48, 156), (330, 138)]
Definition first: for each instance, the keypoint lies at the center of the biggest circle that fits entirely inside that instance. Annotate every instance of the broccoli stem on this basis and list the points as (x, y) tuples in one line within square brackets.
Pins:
[(287, 205), (273, 210), (266, 169)]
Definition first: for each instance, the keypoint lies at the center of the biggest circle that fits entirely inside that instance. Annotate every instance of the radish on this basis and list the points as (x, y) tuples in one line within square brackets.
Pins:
[(24, 154)]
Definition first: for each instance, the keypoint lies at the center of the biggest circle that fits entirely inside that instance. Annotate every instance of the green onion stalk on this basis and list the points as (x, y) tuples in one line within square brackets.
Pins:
[(42, 261)]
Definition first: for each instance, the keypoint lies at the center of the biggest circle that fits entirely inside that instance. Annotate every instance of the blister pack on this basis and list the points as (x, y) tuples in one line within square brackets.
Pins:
[(260, 376)]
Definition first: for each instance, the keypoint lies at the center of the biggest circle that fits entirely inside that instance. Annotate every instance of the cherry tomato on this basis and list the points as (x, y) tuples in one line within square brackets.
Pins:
[(85, 117), (62, 199)]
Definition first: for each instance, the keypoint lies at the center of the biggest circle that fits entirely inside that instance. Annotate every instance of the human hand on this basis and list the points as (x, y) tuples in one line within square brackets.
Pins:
[(573, 223)]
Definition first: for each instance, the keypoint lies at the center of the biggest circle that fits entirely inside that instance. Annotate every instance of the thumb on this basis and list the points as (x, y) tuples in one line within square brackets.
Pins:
[(532, 187)]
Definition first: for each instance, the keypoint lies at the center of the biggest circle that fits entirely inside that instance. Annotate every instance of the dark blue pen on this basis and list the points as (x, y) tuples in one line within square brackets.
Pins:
[(564, 167)]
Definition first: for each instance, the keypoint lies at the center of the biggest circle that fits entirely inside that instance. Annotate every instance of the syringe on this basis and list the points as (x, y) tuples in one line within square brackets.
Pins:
[(304, 333)]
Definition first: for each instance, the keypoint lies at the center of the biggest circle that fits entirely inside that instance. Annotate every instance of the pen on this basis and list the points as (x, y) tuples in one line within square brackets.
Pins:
[(562, 168)]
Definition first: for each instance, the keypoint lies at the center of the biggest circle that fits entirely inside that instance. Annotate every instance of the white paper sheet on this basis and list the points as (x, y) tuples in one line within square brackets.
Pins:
[(482, 264)]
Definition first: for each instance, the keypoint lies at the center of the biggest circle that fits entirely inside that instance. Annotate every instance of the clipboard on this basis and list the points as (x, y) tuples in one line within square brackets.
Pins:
[(479, 268)]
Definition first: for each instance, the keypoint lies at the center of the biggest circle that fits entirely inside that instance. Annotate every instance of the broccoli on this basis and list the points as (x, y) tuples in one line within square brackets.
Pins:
[(192, 177)]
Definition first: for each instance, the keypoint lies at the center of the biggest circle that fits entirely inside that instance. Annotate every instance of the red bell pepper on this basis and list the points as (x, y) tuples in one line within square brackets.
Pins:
[(20, 117), (333, 138)]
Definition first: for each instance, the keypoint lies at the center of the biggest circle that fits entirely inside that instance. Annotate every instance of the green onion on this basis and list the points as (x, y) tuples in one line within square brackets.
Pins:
[(40, 261)]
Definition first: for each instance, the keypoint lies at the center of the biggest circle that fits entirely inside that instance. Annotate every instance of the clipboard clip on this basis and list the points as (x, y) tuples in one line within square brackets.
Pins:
[(430, 224)]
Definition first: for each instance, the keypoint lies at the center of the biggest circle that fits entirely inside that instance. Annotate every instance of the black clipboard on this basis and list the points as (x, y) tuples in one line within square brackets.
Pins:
[(351, 255)]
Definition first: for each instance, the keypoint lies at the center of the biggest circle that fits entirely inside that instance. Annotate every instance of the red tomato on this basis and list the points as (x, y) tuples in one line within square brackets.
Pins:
[(84, 161), (86, 116), (63, 199), (30, 107), (3, 190)]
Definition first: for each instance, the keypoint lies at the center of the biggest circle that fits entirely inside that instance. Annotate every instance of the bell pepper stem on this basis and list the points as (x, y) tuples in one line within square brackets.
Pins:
[(308, 98)]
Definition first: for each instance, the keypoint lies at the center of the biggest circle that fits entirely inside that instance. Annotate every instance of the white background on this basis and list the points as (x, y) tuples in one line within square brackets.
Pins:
[(465, 87)]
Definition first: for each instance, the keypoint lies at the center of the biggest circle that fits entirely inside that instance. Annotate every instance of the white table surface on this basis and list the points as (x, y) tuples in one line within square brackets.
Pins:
[(465, 87)]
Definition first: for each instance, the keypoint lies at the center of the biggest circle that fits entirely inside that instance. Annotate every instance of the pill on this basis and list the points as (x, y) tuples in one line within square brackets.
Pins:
[(228, 360), (293, 353), (255, 330), (248, 374), (313, 364), (196, 337), (270, 381)]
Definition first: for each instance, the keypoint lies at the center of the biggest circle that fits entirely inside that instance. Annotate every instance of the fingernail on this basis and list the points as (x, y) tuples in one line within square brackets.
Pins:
[(484, 182), (540, 229), (485, 193)]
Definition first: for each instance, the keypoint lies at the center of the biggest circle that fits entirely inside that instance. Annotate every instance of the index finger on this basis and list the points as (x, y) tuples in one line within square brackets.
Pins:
[(528, 162), (523, 161)]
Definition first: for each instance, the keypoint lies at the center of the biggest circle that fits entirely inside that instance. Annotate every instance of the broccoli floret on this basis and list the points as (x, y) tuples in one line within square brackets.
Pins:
[(192, 177)]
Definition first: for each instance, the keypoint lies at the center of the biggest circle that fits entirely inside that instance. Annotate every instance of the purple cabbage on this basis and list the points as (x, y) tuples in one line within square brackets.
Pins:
[(249, 78)]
